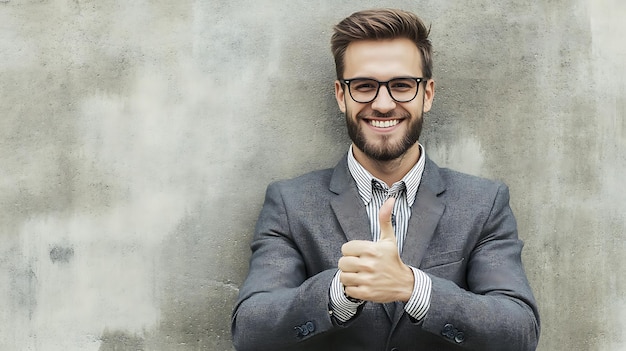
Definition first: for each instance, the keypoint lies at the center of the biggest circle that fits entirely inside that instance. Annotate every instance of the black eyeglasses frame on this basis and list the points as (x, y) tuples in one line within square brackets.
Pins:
[(417, 80)]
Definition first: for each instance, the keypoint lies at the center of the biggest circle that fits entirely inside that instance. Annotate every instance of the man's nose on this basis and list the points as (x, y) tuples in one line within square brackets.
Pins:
[(383, 102)]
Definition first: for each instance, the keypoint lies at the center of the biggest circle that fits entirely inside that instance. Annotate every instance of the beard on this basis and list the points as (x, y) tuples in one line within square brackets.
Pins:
[(386, 149)]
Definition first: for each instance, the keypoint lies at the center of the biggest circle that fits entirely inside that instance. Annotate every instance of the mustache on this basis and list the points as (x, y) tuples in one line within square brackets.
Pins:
[(377, 114)]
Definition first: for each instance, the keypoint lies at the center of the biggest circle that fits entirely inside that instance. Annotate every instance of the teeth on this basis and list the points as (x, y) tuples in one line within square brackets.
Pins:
[(384, 124)]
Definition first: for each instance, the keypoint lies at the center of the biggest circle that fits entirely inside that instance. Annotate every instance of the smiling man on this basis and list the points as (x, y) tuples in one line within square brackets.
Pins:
[(386, 251)]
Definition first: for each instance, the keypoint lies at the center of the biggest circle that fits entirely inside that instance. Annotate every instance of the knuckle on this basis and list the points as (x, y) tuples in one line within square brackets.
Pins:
[(351, 291), (343, 248), (344, 264), (367, 266), (370, 250)]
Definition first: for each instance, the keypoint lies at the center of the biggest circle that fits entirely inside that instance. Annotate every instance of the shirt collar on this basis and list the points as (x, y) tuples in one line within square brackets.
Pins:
[(364, 179)]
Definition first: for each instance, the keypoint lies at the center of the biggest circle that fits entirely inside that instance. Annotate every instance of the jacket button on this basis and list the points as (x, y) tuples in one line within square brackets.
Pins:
[(448, 331), (310, 327), (459, 337), (395, 349)]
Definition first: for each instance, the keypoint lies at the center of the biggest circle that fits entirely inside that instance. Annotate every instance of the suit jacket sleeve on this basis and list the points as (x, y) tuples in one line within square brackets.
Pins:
[(278, 305), (498, 307)]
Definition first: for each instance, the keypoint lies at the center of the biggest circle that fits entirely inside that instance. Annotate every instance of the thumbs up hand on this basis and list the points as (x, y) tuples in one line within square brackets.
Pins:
[(373, 271)]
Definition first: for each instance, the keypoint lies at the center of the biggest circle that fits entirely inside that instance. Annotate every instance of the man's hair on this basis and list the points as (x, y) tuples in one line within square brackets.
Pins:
[(380, 24)]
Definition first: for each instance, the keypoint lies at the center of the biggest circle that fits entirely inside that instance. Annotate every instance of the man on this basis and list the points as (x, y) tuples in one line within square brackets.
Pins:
[(386, 251)]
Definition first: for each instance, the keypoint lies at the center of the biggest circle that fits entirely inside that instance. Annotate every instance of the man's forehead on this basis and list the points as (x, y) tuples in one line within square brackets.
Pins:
[(383, 55)]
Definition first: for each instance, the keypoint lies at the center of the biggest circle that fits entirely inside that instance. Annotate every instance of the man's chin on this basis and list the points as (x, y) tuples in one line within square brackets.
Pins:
[(383, 154)]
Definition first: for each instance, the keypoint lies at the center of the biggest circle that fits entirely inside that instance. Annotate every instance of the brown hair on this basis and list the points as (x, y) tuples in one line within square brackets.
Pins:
[(379, 24)]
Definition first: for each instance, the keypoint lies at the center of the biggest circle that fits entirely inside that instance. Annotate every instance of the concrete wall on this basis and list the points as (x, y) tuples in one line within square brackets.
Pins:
[(137, 138)]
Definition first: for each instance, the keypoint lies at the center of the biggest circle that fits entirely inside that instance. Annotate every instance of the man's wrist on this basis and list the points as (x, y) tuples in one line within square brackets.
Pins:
[(409, 284), (350, 298), (419, 303), (341, 307)]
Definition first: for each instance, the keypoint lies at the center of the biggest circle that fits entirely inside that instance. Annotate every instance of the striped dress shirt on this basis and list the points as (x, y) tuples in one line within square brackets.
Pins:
[(373, 193)]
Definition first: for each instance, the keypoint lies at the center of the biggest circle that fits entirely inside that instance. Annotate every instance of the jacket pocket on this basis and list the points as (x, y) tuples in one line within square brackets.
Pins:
[(442, 260), (448, 265)]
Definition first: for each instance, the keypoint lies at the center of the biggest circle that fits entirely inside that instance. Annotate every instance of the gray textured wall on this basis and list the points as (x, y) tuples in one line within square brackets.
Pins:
[(137, 138)]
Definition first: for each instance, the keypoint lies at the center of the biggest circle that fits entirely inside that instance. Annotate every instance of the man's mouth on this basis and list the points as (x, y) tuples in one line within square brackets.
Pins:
[(384, 124)]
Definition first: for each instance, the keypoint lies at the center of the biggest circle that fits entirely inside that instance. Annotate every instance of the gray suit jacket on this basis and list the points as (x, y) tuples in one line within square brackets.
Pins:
[(462, 233)]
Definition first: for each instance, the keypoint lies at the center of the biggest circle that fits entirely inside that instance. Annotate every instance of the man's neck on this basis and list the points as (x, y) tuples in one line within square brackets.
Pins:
[(389, 171)]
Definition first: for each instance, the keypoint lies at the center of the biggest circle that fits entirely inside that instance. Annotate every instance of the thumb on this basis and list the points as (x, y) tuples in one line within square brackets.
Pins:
[(384, 220)]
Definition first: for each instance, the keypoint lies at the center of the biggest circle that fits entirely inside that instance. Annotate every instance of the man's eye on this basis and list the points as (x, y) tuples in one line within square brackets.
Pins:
[(364, 86), (402, 85)]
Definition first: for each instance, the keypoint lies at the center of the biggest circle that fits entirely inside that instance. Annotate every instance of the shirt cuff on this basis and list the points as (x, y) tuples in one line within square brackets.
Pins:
[(342, 308), (419, 302)]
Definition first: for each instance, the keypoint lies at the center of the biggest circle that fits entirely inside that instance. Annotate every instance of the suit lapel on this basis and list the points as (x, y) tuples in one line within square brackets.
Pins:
[(425, 214), (347, 205)]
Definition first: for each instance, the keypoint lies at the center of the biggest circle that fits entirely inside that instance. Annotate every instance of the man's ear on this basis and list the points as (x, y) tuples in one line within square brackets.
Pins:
[(340, 96), (429, 94)]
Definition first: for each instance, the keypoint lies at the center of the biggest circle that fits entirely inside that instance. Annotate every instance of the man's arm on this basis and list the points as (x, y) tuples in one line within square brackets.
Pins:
[(278, 305), (499, 311)]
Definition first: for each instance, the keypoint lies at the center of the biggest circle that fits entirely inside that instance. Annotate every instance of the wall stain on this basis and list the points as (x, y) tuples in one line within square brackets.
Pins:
[(60, 254), (120, 341), (196, 316), (24, 285)]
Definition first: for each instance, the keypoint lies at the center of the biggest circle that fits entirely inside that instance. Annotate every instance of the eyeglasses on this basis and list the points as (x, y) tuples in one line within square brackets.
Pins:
[(401, 89)]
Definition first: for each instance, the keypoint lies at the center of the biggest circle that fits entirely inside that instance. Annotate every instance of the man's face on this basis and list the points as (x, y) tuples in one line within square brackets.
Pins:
[(384, 129)]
